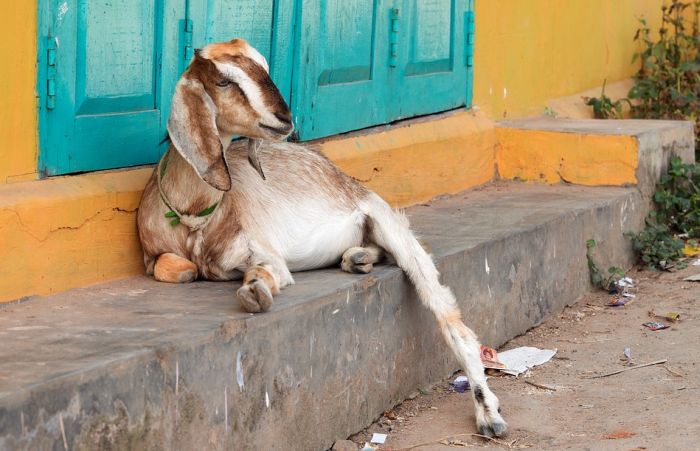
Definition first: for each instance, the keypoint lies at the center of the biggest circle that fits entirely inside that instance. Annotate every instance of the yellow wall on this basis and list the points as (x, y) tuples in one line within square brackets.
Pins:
[(18, 120), (529, 51)]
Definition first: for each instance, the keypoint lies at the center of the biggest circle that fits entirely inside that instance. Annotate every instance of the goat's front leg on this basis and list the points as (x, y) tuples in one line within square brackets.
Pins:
[(259, 285)]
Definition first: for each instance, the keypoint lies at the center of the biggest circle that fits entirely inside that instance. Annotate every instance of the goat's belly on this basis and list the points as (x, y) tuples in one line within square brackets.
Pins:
[(321, 244)]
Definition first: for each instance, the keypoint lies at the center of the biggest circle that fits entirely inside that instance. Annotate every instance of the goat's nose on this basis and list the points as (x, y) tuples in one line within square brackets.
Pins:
[(286, 120)]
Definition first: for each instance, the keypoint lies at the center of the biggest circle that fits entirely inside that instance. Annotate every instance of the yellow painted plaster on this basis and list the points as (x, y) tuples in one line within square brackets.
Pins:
[(68, 232), (553, 157), (529, 51), (417, 162), (18, 120)]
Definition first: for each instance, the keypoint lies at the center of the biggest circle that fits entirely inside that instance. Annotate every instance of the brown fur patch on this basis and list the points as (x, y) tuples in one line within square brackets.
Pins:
[(232, 47), (454, 319), (174, 269), (260, 273)]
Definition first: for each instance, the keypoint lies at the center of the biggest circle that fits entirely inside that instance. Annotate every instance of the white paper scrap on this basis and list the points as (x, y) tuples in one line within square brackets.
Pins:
[(378, 438), (519, 360), (696, 262), (695, 278)]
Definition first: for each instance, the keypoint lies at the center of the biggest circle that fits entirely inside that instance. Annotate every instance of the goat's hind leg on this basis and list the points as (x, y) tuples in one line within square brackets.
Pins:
[(390, 231), (361, 260), (174, 269)]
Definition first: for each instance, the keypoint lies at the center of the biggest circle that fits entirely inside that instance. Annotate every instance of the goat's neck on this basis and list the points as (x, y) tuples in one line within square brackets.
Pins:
[(184, 188)]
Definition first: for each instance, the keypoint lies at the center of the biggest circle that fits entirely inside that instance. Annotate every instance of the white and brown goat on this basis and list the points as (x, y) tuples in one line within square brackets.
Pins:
[(206, 213)]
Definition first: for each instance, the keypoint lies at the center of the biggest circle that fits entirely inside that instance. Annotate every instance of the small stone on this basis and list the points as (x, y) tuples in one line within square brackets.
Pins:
[(344, 445)]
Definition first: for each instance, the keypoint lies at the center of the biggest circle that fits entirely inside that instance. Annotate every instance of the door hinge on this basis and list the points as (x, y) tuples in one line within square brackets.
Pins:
[(188, 51), (469, 32), (51, 73), (394, 38)]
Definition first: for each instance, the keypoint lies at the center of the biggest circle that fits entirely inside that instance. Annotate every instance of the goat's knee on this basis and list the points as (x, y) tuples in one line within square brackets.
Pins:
[(361, 260), (259, 285), (174, 269)]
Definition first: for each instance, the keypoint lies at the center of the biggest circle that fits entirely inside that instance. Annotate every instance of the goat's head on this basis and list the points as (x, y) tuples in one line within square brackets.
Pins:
[(225, 91)]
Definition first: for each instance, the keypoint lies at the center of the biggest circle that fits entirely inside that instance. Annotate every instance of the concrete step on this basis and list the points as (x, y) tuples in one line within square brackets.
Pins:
[(138, 364), (592, 152)]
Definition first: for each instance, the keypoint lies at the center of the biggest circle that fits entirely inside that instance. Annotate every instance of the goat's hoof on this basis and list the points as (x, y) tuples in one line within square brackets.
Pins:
[(493, 428), (356, 260), (255, 296)]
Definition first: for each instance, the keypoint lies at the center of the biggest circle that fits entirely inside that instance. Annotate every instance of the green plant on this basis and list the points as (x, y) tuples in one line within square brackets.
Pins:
[(549, 112), (667, 85), (604, 107), (657, 246), (677, 202), (677, 198), (599, 280)]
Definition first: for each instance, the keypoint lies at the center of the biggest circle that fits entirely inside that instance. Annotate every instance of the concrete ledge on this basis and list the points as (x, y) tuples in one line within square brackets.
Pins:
[(68, 232), (592, 152), (140, 364)]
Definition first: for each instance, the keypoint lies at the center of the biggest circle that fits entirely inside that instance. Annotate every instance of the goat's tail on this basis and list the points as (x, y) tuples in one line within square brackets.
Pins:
[(390, 230)]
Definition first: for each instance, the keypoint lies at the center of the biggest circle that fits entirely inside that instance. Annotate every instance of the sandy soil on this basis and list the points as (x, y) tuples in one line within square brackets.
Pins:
[(656, 407)]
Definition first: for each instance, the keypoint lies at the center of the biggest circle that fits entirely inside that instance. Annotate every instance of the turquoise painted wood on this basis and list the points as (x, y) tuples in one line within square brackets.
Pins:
[(342, 77), (114, 66), (368, 62), (107, 69)]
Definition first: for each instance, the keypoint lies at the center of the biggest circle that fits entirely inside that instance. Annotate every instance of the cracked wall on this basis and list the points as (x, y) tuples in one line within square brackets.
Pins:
[(68, 232)]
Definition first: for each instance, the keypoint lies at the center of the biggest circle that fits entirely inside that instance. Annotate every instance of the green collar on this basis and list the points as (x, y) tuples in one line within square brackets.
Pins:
[(173, 215)]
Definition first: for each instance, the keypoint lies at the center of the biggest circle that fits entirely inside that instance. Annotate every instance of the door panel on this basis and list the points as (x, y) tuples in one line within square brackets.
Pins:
[(430, 36), (115, 49), (113, 68), (343, 22), (432, 78), (249, 19), (340, 81), (355, 69)]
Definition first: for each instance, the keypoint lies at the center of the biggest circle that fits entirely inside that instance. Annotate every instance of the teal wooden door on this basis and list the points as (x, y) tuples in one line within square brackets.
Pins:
[(106, 71), (342, 75), (367, 62), (432, 69)]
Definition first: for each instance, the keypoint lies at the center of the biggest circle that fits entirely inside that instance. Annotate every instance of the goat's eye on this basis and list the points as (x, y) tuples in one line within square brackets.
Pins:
[(224, 83)]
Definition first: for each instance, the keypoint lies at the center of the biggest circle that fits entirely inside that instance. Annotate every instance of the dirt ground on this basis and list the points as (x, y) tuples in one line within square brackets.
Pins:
[(655, 407)]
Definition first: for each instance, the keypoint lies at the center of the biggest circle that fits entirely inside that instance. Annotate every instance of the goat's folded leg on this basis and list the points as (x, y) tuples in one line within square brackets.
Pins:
[(174, 269), (259, 285), (361, 260)]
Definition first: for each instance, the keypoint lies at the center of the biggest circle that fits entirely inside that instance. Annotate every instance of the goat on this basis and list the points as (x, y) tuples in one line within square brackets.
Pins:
[(207, 213)]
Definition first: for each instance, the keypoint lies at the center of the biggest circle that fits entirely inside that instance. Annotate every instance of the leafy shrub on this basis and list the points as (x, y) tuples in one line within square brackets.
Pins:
[(677, 201), (667, 85)]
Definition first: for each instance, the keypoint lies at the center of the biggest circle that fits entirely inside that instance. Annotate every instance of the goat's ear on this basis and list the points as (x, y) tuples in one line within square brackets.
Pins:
[(193, 132)]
